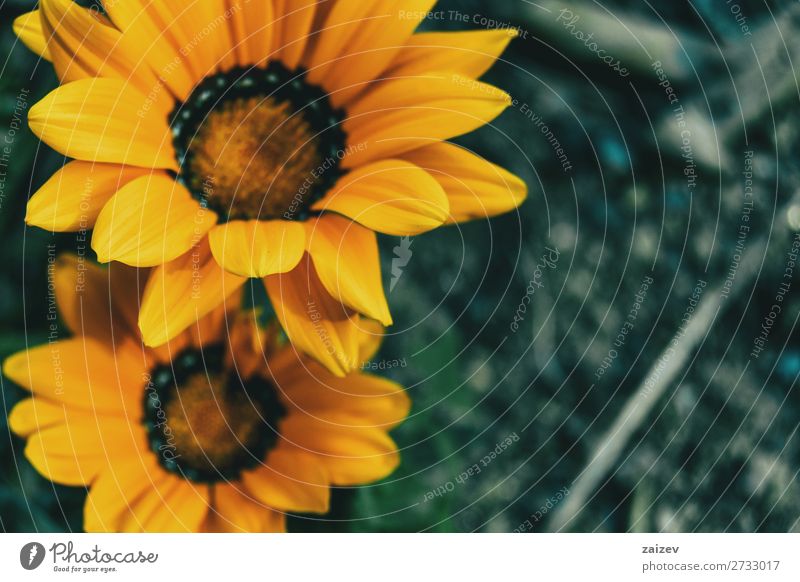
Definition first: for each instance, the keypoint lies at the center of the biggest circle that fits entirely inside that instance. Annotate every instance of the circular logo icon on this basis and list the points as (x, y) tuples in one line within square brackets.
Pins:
[(31, 555)]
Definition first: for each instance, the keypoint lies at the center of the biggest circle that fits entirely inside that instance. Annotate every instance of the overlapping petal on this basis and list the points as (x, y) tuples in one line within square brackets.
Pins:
[(116, 490), (74, 196), (469, 53), (180, 293), (103, 120), (150, 221), (345, 256), (293, 28), (237, 511), (391, 196), (163, 34), (84, 44), (99, 303), (82, 373), (257, 248), (401, 114), (315, 322), (291, 480), (358, 40), (75, 451), (358, 399), (350, 455), (475, 187), (252, 27)]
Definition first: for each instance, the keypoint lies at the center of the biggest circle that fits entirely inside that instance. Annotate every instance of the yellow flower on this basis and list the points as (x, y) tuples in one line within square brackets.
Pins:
[(219, 140), (214, 431)]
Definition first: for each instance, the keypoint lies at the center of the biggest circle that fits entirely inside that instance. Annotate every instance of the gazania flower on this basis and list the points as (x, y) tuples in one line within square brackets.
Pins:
[(215, 431), (219, 140)]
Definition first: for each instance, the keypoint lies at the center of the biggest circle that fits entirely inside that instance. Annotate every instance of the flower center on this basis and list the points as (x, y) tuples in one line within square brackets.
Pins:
[(204, 422), (258, 143)]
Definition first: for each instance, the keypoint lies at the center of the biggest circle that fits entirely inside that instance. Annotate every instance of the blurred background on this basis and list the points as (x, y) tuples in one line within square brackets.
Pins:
[(606, 359)]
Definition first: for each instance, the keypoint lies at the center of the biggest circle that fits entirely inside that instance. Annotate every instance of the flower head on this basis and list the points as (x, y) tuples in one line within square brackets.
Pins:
[(224, 428), (220, 140)]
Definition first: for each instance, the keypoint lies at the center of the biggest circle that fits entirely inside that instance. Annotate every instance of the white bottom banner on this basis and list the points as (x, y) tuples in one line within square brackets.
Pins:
[(389, 557)]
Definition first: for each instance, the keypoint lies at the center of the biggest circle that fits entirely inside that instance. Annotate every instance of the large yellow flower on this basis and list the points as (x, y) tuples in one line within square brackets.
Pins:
[(215, 431), (224, 139)]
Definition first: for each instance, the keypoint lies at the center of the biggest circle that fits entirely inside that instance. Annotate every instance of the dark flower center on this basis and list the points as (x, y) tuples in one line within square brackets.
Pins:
[(258, 143), (205, 423)]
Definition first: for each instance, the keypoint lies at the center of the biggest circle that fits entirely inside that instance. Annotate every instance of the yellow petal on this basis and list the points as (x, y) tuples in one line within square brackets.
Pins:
[(183, 510), (313, 320), (246, 353), (163, 36), (85, 45), (115, 490), (252, 26), (96, 302), (73, 197), (102, 435), (257, 248), (237, 511), (34, 414), (293, 21), (63, 469), (179, 293), (81, 372), (150, 221), (211, 47), (28, 28), (402, 114), (203, 32), (289, 367), (286, 364), (82, 296), (475, 187), (125, 287), (346, 258), (292, 480), (352, 456), (75, 452), (143, 507), (357, 400), (371, 339), (103, 120), (470, 53), (359, 40), (168, 504), (391, 196)]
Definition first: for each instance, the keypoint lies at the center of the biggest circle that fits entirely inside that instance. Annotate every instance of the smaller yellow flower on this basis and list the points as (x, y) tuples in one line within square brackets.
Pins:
[(222, 429)]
